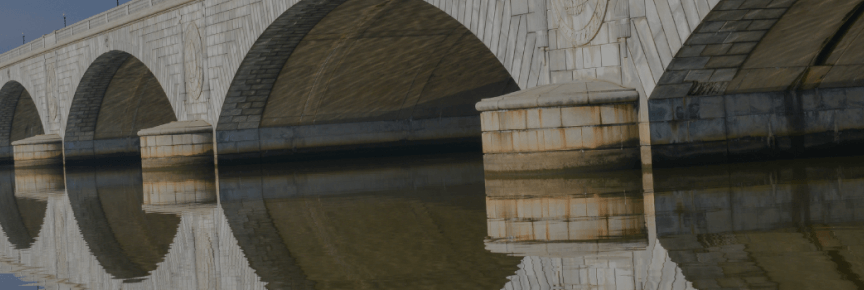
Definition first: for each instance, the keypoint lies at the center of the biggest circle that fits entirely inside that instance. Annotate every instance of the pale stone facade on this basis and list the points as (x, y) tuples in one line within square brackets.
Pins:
[(195, 49), (223, 62)]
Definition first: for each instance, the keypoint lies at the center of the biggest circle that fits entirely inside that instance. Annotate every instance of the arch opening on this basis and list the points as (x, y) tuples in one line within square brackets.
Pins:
[(359, 74), (19, 118), (117, 97)]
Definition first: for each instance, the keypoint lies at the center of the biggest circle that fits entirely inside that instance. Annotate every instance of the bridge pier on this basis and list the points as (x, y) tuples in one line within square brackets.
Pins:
[(584, 125), (38, 150), (177, 144)]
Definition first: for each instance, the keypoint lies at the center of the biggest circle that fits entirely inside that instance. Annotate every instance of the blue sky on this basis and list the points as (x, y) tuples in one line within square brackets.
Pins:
[(38, 17), (9, 281)]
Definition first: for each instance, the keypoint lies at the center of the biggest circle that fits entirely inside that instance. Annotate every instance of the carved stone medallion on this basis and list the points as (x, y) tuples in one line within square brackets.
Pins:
[(579, 20), (50, 87), (192, 62)]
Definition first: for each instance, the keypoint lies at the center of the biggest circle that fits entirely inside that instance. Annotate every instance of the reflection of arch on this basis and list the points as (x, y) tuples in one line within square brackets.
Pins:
[(21, 218), (365, 224), (126, 241), (117, 96), (19, 118), (403, 68), (747, 216)]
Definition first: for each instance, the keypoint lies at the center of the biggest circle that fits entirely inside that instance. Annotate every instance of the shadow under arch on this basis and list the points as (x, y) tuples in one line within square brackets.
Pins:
[(19, 118), (107, 203), (117, 97), (365, 223), (782, 82), (21, 218), (331, 76)]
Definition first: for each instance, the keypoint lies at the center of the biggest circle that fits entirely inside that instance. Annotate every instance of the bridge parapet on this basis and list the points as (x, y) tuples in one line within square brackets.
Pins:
[(111, 19)]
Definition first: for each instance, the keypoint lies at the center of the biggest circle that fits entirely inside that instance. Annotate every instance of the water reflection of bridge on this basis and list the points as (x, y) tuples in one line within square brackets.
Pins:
[(779, 225), (98, 237), (434, 224)]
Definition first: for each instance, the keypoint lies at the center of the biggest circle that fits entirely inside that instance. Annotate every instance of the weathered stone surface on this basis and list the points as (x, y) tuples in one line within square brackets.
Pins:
[(710, 129), (313, 75), (38, 150), (177, 144), (578, 116), (245, 73)]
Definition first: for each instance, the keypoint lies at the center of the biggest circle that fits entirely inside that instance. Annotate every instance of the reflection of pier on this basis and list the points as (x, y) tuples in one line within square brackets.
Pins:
[(786, 225), (202, 254), (181, 187), (587, 232)]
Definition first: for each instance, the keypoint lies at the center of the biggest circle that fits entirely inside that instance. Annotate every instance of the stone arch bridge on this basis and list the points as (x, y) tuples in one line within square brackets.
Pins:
[(671, 81)]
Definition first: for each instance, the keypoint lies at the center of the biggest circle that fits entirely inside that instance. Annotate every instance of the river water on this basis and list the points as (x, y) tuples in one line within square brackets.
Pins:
[(434, 222)]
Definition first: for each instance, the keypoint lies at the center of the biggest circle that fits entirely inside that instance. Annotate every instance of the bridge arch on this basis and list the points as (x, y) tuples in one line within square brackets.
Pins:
[(763, 80), (388, 65), (19, 118), (117, 96)]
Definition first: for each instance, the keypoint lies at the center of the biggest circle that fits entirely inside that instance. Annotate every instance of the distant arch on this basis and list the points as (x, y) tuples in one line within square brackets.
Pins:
[(19, 118), (117, 97)]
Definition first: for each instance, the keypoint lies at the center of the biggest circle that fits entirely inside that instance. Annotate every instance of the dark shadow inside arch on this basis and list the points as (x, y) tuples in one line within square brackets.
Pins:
[(21, 218), (343, 76), (19, 118), (106, 201), (117, 97)]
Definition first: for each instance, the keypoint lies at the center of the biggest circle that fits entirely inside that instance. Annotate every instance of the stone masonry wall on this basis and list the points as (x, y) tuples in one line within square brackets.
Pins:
[(38, 154), (699, 42)]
